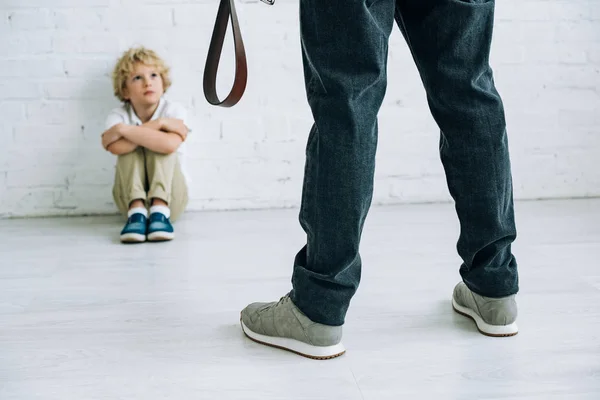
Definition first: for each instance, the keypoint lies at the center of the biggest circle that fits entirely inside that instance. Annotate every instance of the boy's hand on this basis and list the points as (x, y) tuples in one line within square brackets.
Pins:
[(174, 125), (112, 135)]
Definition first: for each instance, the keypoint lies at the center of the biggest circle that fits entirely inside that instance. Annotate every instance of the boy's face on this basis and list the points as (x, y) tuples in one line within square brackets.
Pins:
[(144, 86)]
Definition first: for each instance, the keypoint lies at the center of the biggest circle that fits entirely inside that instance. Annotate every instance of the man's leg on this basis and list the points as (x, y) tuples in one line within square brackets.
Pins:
[(345, 45), (450, 41), (129, 194), (344, 49)]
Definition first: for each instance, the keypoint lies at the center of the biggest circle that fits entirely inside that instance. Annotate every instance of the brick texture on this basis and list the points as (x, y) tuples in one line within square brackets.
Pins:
[(55, 91)]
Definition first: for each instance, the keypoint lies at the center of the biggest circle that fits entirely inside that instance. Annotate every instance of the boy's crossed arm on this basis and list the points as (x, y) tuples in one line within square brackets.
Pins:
[(163, 135)]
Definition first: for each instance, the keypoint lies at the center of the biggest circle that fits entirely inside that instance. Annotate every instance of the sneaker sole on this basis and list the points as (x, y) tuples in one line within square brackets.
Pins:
[(295, 346), (482, 326), (161, 236), (133, 238)]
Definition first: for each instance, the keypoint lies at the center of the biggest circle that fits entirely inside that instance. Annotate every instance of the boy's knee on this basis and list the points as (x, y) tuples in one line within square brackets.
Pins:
[(137, 154), (155, 157)]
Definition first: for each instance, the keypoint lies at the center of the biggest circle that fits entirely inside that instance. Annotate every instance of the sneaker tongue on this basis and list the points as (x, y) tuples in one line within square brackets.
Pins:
[(137, 217), (161, 209), (158, 217)]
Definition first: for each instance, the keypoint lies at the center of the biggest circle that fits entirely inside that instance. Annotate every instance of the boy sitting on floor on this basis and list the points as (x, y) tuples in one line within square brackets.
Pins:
[(146, 134)]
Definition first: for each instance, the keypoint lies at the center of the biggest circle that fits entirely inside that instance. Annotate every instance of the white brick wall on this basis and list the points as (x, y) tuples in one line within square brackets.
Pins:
[(56, 56)]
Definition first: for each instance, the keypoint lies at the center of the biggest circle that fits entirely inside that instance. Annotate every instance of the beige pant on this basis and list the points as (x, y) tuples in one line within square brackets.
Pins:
[(144, 174)]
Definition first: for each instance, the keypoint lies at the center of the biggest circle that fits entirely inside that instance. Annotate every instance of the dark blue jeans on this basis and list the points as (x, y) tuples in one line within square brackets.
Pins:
[(345, 48)]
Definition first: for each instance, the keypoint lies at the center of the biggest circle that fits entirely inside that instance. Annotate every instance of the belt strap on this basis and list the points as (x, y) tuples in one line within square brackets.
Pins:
[(226, 11)]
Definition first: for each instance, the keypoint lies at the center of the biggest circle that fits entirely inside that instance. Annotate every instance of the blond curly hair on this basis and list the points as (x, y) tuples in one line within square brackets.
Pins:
[(126, 64)]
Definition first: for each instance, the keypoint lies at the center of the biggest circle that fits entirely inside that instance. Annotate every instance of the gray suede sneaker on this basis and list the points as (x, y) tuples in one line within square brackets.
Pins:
[(494, 317), (282, 325)]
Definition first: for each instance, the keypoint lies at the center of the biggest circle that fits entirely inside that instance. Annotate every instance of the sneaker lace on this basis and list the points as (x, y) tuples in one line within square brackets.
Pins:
[(284, 299), (281, 301)]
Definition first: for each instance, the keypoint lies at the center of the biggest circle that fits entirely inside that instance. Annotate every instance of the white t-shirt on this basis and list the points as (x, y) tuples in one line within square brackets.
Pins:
[(166, 109)]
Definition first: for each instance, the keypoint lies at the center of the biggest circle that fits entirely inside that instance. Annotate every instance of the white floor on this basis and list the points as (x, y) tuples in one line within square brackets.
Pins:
[(84, 317)]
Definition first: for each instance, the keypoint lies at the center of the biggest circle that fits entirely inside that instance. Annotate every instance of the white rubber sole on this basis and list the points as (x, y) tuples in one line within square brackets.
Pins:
[(295, 346), (161, 236), (482, 326), (133, 238)]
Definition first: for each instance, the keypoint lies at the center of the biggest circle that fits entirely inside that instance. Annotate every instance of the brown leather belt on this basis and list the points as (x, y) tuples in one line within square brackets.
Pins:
[(226, 11)]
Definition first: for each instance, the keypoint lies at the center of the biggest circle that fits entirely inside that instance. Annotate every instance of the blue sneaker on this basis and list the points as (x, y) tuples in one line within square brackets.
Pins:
[(135, 229), (160, 228)]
